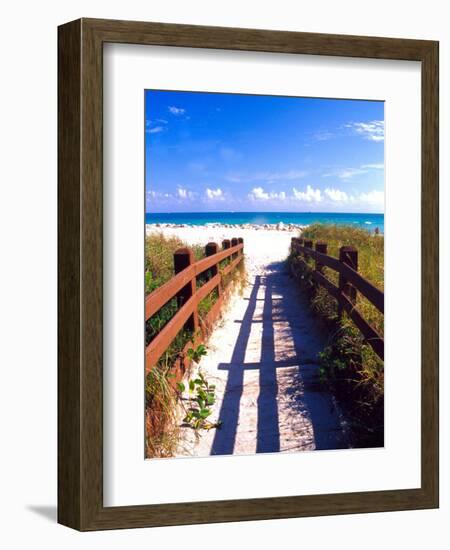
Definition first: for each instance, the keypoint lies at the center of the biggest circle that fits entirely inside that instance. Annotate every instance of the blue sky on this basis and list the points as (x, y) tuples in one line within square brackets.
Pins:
[(229, 152)]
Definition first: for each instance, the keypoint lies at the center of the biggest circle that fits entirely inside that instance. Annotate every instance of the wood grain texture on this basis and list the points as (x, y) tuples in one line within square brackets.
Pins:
[(80, 403), (69, 244), (430, 273)]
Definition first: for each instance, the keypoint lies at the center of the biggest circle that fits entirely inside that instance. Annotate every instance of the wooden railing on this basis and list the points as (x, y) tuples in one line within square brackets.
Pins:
[(183, 287), (350, 282)]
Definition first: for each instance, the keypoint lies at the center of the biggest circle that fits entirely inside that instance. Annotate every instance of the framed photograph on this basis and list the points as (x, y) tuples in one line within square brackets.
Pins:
[(248, 274)]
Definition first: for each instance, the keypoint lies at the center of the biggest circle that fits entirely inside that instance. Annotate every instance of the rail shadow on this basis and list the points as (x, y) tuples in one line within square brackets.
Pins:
[(305, 396)]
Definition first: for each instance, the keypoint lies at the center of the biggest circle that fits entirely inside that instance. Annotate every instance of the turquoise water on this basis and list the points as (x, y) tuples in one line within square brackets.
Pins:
[(364, 221)]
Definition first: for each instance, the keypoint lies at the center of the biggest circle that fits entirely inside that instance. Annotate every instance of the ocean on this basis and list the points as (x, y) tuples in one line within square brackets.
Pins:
[(364, 221)]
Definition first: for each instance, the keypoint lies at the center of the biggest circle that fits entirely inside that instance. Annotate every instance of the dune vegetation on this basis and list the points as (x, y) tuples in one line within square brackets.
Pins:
[(348, 365)]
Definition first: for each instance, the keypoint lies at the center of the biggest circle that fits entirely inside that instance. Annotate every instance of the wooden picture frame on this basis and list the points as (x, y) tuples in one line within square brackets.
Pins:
[(80, 272)]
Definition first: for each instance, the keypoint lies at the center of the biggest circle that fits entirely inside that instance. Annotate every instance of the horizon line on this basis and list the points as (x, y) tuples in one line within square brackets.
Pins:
[(263, 212)]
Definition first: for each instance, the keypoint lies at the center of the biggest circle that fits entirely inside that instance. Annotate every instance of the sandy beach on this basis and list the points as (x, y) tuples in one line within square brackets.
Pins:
[(262, 244)]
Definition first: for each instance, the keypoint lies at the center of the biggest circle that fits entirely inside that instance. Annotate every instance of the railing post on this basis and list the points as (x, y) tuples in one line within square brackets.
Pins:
[(307, 243), (241, 241), (210, 250), (226, 244), (321, 247), (183, 258), (347, 255), (234, 242)]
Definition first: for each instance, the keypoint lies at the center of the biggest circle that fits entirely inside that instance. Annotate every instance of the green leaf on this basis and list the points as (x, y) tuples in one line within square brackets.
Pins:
[(181, 387), (191, 385), (204, 413), (201, 402)]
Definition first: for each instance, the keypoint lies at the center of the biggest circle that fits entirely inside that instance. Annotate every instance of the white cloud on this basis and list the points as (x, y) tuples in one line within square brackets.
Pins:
[(348, 173), (155, 130), (184, 193), (372, 198), (258, 193), (176, 110), (378, 166), (373, 130), (214, 194), (158, 195), (310, 195), (336, 195)]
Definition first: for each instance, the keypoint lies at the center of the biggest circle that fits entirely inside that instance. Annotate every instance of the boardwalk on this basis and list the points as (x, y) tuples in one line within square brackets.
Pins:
[(263, 360)]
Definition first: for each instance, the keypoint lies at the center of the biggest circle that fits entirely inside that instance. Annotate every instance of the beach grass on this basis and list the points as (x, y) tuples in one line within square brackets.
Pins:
[(370, 249), (348, 364), (159, 251)]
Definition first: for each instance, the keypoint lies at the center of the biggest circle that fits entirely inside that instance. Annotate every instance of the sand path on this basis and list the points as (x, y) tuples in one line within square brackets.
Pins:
[(263, 359)]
